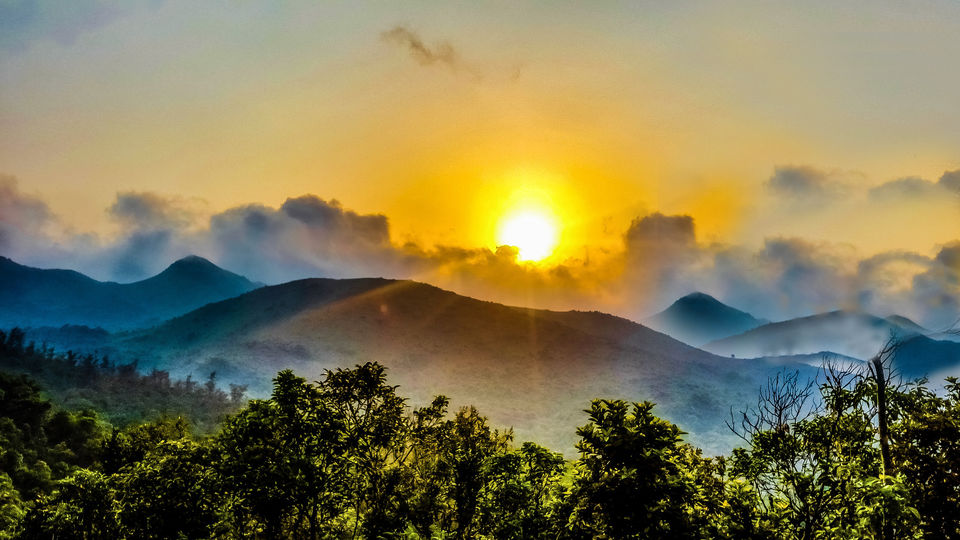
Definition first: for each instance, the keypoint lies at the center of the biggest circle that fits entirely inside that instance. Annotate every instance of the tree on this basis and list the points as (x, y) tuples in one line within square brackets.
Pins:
[(171, 493), (628, 482), (465, 445), (284, 463), (82, 507), (521, 490), (925, 445), (375, 435)]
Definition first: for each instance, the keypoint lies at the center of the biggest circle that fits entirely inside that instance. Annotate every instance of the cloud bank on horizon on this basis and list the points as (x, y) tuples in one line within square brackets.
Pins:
[(660, 258)]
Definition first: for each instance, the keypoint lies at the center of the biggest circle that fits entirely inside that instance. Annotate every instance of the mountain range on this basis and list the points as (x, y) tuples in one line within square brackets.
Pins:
[(849, 333), (39, 297), (535, 370)]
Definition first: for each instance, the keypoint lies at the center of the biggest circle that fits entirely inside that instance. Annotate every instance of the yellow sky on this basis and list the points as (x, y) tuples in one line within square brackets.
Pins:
[(611, 111)]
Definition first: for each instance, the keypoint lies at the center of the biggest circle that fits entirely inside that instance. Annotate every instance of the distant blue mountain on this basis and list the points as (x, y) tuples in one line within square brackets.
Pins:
[(920, 356), (849, 333), (37, 297), (699, 318)]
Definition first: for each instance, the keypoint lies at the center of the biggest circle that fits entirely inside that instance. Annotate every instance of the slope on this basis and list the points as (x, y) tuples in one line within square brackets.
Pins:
[(535, 370)]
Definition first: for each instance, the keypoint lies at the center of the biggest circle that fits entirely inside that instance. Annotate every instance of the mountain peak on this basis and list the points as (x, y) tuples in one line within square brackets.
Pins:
[(192, 261), (697, 296), (196, 273), (698, 318)]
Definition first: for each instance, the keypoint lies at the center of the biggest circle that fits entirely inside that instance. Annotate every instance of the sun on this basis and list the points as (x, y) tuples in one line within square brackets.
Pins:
[(532, 232)]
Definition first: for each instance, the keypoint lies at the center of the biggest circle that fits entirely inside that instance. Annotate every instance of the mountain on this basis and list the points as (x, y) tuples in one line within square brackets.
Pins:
[(535, 370), (907, 324), (38, 297), (699, 318), (921, 356), (847, 333)]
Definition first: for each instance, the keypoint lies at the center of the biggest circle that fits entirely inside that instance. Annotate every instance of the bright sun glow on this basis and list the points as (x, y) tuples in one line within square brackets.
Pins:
[(532, 232)]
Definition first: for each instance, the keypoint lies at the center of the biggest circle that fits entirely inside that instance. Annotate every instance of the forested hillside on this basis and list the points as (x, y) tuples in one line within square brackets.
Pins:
[(346, 457), (532, 369), (118, 392)]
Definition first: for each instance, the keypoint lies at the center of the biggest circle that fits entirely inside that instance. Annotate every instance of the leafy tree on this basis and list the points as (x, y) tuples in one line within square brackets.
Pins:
[(285, 464), (374, 435), (128, 447), (629, 483), (466, 444), (520, 493), (82, 507), (926, 449), (38, 443), (11, 507), (821, 473), (171, 493)]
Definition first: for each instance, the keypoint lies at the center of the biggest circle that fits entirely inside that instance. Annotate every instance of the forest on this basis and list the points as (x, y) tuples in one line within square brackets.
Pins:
[(92, 449)]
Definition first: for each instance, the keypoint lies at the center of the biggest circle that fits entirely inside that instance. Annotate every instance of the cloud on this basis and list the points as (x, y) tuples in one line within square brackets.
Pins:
[(950, 181), (904, 188), (140, 254), (441, 53), (914, 188), (804, 183), (660, 230), (336, 222), (661, 258), (937, 290), (20, 214), (145, 210)]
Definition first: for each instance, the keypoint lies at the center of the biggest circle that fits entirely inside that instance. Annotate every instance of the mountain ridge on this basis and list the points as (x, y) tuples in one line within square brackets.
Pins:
[(55, 297), (533, 369), (698, 318)]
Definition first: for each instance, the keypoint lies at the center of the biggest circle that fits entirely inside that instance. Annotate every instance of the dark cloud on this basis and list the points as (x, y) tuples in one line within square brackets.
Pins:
[(950, 180), (307, 236), (806, 277), (660, 257), (141, 254), (441, 53), (148, 211), (904, 188), (331, 218), (871, 266), (661, 230), (21, 215), (937, 291), (949, 256), (803, 183)]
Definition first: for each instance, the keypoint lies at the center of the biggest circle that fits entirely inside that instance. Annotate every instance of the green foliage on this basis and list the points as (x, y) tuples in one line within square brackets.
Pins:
[(345, 457), (522, 487), (630, 483), (11, 507), (39, 444), (81, 507), (118, 392), (172, 493), (284, 461), (926, 449)]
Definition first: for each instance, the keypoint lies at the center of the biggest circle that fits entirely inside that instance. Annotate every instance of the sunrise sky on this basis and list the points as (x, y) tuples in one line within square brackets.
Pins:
[(787, 157)]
